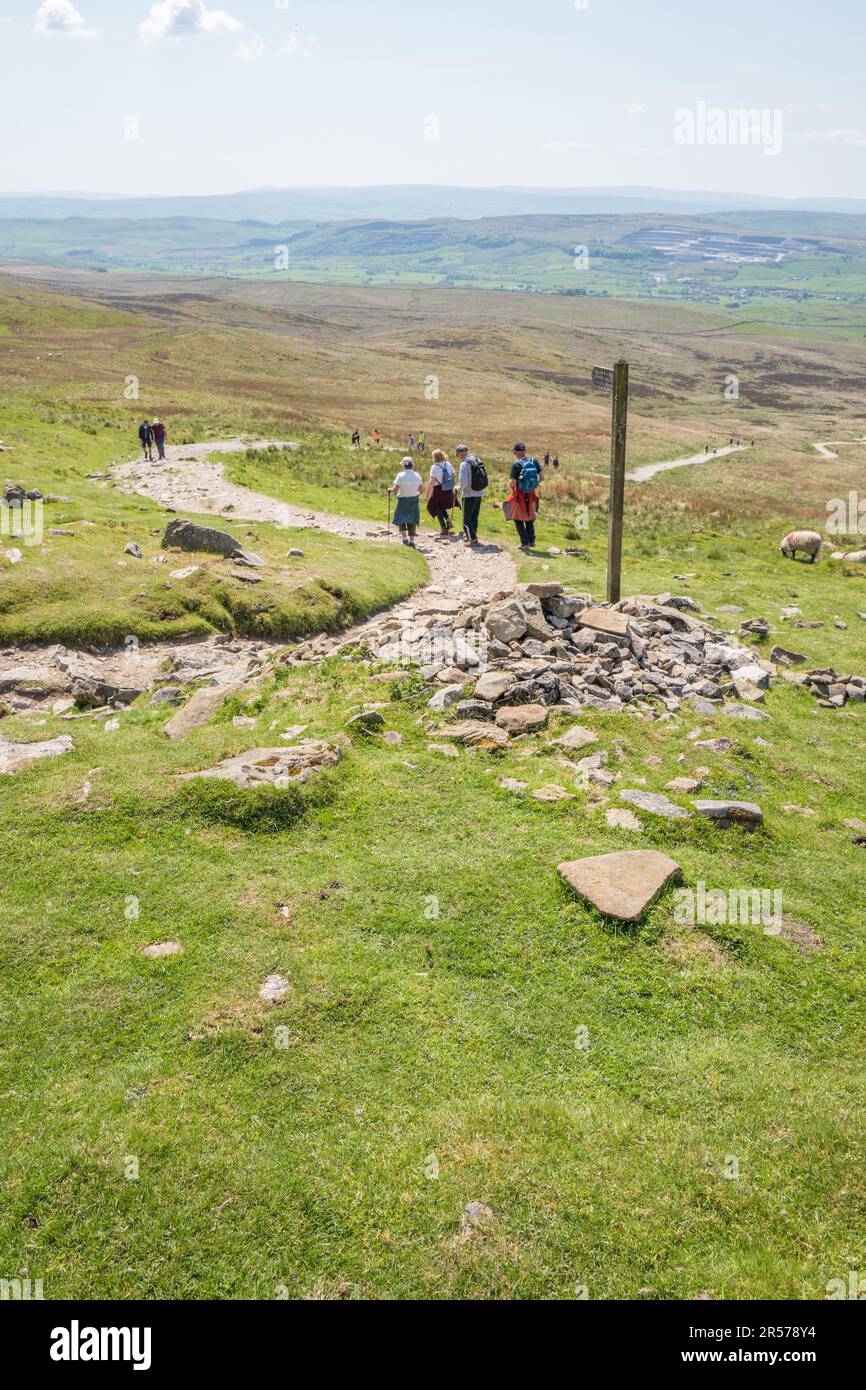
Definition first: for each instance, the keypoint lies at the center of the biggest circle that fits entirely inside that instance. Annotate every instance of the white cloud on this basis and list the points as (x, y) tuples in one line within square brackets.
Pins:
[(634, 108), (178, 19), (61, 17), (839, 137)]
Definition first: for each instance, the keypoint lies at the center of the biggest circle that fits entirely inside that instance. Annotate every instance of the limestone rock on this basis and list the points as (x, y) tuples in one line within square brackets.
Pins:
[(552, 792), (621, 818), (728, 813), (604, 620), (199, 709), (448, 695), (279, 767), (163, 948), (682, 785), (576, 737), (14, 757), (186, 535), (521, 719), (274, 989), (493, 685), (623, 884), (655, 804), (476, 735)]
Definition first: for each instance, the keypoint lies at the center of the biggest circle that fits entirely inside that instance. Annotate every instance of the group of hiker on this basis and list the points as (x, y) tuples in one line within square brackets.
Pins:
[(447, 489), (152, 435)]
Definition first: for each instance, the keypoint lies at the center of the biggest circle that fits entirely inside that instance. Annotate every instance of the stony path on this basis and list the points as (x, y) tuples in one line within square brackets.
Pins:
[(826, 447), (190, 481), (649, 470)]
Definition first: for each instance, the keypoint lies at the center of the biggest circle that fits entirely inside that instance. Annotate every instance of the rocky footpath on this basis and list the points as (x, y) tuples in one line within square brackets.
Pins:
[(538, 646)]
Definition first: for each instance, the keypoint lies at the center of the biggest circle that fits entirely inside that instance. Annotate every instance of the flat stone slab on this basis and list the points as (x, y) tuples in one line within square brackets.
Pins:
[(728, 813), (576, 737), (199, 709), (655, 804), (493, 685), (623, 884), (279, 767), (553, 792), (621, 818), (604, 620), (522, 719), (14, 757), (274, 989), (163, 948), (474, 734), (682, 785)]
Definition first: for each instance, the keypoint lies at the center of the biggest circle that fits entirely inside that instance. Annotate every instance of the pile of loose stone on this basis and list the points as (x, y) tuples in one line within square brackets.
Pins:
[(540, 646), (830, 689)]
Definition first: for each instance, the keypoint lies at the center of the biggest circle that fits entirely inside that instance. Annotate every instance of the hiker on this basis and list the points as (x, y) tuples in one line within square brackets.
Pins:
[(556, 460), (522, 504), (356, 439), (472, 480), (546, 457), (376, 437), (411, 443), (159, 437), (440, 492), (145, 434), (407, 514), (422, 441)]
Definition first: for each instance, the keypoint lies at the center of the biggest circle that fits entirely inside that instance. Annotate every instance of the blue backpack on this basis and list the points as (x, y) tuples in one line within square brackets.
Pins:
[(530, 476), (448, 476)]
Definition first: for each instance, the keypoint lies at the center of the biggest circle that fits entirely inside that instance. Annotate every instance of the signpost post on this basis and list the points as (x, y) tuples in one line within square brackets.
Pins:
[(615, 381)]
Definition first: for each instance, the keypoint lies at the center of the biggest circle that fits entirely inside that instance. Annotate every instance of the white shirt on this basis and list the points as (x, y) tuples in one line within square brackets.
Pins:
[(437, 474), (408, 483)]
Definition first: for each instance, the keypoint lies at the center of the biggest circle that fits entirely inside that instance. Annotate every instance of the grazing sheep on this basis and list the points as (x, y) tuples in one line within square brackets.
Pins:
[(850, 557), (807, 541)]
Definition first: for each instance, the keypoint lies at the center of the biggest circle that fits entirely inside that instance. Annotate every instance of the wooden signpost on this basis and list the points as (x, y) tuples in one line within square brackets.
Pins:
[(615, 381)]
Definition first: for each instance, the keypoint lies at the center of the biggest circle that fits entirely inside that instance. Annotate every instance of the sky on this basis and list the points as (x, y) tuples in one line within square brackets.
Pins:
[(183, 96)]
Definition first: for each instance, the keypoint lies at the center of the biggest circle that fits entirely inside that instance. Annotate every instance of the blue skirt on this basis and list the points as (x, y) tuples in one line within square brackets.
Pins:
[(407, 511)]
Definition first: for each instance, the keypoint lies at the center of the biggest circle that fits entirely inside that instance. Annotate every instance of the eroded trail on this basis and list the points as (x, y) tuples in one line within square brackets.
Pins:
[(645, 471), (189, 480)]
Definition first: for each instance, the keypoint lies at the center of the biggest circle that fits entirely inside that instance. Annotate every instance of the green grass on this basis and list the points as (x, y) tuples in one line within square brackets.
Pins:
[(298, 1158), (82, 589), (440, 969)]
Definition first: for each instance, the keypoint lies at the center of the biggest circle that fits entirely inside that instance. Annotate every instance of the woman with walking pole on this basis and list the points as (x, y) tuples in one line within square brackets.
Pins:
[(407, 514)]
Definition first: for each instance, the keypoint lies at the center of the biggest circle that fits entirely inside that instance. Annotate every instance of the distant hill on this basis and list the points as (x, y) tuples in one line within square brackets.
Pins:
[(410, 202)]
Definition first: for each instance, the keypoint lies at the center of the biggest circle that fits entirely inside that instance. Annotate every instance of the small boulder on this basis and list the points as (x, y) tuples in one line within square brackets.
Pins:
[(728, 813), (655, 804), (522, 719), (493, 685)]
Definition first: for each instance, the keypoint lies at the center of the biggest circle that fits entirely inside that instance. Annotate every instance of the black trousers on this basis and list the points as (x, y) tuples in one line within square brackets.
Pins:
[(526, 532), (471, 509)]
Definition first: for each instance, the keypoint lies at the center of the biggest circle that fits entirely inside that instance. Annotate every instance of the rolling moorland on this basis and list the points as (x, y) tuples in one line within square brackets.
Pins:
[(439, 968), (796, 266)]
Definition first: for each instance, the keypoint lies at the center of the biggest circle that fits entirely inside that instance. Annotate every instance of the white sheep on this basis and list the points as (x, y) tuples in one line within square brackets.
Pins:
[(807, 541), (850, 557)]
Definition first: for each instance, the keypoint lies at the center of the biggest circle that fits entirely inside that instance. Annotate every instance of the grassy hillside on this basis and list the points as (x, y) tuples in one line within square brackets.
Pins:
[(188, 1141), (649, 1112)]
